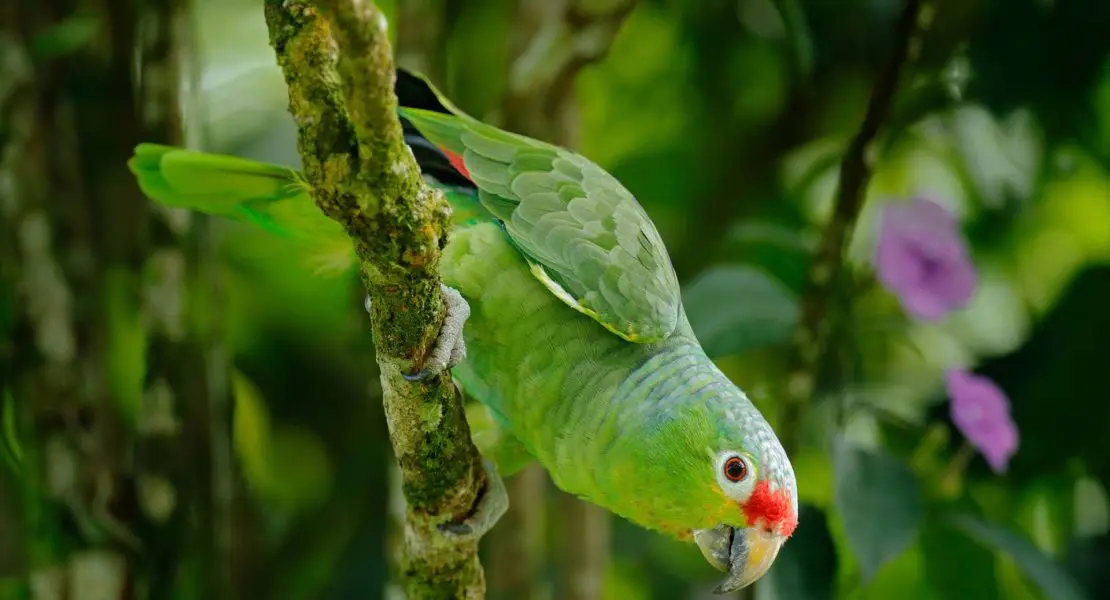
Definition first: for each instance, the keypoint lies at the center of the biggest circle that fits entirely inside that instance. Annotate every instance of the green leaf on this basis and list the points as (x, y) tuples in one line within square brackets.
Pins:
[(1049, 575), (9, 432), (806, 566), (736, 308), (251, 431), (955, 565), (880, 502), (126, 344), (284, 464)]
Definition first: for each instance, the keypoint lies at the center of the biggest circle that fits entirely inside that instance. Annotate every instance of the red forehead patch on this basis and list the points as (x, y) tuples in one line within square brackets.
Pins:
[(774, 508)]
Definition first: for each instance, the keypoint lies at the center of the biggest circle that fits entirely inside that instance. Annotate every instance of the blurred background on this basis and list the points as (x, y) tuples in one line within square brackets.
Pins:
[(727, 119)]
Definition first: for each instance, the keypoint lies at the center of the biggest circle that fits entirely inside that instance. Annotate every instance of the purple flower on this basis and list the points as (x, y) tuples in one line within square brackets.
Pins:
[(922, 259), (981, 411)]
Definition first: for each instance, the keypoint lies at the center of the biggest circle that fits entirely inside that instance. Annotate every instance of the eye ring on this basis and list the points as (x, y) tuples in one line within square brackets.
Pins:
[(735, 469)]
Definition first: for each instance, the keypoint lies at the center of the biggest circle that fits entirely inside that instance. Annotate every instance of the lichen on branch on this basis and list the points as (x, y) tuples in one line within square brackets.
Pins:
[(338, 66)]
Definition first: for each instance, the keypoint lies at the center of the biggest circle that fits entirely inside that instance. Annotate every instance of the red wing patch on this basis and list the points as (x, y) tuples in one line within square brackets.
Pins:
[(772, 507), (456, 161)]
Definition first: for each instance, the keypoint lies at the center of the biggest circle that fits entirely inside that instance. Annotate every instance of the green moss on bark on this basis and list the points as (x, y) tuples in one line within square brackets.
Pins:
[(339, 70)]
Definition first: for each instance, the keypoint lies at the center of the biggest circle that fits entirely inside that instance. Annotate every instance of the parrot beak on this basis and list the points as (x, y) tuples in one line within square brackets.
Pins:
[(745, 554)]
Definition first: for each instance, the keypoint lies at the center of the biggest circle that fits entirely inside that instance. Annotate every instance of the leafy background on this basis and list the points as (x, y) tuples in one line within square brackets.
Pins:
[(727, 119)]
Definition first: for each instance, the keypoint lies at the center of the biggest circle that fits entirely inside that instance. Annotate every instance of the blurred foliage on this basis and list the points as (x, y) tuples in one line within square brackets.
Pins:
[(727, 119)]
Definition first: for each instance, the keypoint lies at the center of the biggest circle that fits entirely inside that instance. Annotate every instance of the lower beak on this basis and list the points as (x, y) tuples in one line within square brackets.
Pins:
[(745, 554)]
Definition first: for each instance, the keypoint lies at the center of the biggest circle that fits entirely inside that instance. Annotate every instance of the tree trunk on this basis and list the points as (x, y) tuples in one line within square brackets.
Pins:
[(99, 360)]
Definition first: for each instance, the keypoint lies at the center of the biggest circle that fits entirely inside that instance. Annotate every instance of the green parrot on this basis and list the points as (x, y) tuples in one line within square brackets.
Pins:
[(564, 320)]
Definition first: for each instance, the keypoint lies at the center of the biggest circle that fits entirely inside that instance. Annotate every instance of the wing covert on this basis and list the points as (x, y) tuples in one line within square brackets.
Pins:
[(585, 236)]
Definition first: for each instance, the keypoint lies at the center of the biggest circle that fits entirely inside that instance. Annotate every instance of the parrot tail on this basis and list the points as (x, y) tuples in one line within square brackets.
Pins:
[(277, 199)]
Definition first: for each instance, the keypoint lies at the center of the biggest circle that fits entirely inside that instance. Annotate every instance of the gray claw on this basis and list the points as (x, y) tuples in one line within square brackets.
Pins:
[(491, 506), (450, 347), (420, 375)]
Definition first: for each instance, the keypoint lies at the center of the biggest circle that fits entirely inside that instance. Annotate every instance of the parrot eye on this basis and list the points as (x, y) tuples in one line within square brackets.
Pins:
[(735, 469), (737, 473)]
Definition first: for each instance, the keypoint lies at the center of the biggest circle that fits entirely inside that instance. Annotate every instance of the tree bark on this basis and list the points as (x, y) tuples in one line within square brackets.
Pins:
[(337, 63)]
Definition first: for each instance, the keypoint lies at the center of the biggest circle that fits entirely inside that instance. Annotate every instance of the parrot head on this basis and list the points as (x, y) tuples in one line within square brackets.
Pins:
[(714, 472), (752, 495), (708, 469)]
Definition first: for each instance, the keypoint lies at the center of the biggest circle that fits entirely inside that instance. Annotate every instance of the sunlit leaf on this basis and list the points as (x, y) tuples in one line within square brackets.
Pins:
[(737, 308), (300, 472), (251, 431), (126, 344), (1049, 575), (806, 566), (880, 502), (285, 464)]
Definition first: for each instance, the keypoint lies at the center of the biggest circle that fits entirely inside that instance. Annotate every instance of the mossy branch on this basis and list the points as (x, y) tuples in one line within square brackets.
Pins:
[(825, 272), (339, 69)]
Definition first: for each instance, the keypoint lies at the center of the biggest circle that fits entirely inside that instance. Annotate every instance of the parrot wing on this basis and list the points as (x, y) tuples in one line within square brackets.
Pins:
[(585, 236)]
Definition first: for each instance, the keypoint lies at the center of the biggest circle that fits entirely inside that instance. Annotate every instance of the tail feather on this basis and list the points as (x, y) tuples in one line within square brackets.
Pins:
[(277, 199), (270, 196)]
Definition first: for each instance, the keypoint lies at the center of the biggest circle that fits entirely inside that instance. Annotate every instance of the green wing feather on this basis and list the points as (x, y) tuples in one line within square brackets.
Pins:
[(586, 238), (271, 196)]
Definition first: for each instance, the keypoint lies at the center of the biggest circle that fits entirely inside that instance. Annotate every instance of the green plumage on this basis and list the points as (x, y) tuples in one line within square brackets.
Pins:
[(577, 341), (586, 237)]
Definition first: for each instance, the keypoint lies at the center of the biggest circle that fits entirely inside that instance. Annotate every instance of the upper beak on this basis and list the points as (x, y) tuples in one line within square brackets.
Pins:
[(746, 554)]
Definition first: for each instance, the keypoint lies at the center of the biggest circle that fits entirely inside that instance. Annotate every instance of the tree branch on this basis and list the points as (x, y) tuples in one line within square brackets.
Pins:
[(362, 176), (812, 340), (571, 35)]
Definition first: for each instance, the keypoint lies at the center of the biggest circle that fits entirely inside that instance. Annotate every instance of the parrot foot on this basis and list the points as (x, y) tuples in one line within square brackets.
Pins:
[(450, 347), (492, 505)]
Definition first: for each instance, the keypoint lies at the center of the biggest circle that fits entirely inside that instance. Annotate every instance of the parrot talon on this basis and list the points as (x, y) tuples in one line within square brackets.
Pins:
[(491, 506), (420, 375), (450, 347)]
